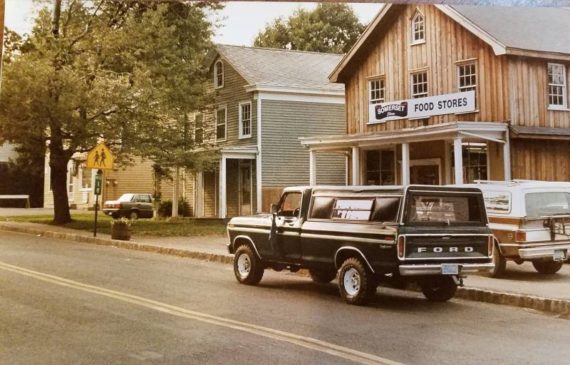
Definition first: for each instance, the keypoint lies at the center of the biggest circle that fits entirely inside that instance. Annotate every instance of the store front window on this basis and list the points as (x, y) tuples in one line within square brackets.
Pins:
[(380, 167), (474, 162)]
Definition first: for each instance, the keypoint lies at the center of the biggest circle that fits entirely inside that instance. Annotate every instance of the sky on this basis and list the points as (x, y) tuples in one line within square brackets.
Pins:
[(241, 20)]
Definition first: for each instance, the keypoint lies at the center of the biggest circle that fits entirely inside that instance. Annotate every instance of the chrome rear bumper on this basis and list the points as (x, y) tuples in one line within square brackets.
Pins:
[(542, 251), (435, 269)]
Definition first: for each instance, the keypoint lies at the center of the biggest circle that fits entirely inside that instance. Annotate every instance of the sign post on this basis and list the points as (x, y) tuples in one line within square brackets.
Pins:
[(99, 158)]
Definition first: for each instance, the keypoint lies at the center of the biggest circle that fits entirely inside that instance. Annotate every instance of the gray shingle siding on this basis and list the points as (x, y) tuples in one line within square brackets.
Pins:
[(284, 161)]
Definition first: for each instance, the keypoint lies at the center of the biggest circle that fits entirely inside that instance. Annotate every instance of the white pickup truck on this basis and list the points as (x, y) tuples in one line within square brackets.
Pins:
[(530, 221)]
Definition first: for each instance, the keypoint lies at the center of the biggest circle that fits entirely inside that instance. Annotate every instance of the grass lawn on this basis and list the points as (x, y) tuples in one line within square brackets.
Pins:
[(140, 227)]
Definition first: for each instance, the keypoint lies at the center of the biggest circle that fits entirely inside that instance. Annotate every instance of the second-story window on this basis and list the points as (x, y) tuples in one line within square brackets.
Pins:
[(377, 90), (219, 74), (419, 85), (245, 120), (557, 86), (221, 123), (418, 28), (467, 76), (199, 129)]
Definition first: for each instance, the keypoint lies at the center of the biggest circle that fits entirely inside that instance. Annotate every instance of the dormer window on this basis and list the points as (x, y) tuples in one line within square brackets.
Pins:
[(219, 74), (418, 28)]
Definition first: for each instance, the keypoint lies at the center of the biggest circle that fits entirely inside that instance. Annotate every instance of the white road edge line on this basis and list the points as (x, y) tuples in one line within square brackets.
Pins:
[(307, 342)]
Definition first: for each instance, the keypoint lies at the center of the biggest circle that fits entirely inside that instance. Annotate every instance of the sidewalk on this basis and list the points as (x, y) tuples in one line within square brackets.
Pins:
[(522, 286)]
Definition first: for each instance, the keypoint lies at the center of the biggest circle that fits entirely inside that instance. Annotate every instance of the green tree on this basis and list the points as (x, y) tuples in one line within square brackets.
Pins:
[(103, 70), (330, 27)]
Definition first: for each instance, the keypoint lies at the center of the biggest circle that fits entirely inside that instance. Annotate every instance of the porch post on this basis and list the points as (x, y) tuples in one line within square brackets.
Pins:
[(355, 166), (222, 186), (458, 158), (405, 164), (312, 168), (507, 157)]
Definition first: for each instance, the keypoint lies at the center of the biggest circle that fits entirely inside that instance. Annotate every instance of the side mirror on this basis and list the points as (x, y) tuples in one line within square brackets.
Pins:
[(274, 209)]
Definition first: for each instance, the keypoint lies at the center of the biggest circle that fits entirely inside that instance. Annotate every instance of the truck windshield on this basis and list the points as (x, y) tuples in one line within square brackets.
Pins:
[(437, 209), (547, 203)]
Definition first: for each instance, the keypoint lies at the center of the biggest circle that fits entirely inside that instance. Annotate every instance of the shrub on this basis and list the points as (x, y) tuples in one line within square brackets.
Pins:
[(165, 208)]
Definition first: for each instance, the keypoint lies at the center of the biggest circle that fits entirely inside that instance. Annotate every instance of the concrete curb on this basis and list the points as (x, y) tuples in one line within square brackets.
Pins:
[(556, 306)]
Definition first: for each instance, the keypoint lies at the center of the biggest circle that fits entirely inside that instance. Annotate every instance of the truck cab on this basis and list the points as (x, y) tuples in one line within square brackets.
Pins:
[(369, 235)]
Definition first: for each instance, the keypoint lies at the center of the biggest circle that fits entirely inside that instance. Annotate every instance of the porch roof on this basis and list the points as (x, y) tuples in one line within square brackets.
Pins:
[(490, 131), (540, 132)]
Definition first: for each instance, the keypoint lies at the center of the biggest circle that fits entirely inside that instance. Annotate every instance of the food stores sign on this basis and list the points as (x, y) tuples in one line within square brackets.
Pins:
[(462, 102)]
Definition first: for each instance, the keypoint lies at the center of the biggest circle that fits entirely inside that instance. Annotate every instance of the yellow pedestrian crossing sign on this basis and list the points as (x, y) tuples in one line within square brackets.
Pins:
[(100, 157)]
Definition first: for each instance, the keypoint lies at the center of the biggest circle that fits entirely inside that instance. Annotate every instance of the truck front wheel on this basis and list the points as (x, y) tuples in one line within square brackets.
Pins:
[(247, 266), (439, 288), (547, 267), (356, 284)]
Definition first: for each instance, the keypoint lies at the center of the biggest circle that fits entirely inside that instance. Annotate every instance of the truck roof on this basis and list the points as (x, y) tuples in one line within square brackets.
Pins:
[(382, 188)]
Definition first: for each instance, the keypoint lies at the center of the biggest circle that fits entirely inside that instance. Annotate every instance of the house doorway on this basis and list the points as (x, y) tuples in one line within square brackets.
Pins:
[(245, 188), (425, 172)]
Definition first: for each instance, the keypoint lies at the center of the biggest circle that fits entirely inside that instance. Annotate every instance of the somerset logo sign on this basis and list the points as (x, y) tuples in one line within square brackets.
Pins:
[(462, 102)]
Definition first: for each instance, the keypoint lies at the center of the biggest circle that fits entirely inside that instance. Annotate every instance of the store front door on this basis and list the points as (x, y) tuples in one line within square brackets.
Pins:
[(245, 188), (425, 172)]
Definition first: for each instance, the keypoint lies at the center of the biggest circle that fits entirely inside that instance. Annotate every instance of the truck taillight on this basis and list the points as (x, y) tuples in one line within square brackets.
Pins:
[(520, 236), (401, 246)]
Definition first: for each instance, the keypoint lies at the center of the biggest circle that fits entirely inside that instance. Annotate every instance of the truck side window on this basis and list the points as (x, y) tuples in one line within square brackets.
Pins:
[(290, 205), (322, 207), (385, 209)]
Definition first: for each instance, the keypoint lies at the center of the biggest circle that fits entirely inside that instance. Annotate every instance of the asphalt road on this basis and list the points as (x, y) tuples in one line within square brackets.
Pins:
[(68, 303)]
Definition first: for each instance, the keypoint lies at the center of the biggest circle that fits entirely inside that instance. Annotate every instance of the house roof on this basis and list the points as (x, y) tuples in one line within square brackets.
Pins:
[(525, 31), (283, 69)]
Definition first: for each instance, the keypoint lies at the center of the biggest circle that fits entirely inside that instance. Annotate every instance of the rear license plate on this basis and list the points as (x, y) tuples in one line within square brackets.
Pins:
[(559, 255), (450, 269)]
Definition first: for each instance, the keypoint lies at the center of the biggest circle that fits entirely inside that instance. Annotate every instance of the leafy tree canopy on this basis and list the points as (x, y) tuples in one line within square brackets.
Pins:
[(330, 27), (110, 70)]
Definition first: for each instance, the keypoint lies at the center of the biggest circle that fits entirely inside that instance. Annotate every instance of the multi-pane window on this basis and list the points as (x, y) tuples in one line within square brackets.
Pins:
[(377, 91), (467, 75), (219, 74), (380, 167), (221, 124), (556, 85), (199, 129), (418, 28), (419, 85), (245, 120)]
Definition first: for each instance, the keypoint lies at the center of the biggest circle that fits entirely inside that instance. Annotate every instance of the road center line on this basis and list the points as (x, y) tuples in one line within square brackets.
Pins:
[(307, 342)]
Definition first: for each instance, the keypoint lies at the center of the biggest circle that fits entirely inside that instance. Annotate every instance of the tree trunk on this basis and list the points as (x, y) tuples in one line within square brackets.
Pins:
[(61, 213), (175, 193)]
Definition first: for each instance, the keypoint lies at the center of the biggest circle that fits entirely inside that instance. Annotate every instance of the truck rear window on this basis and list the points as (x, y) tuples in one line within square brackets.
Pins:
[(379, 209), (547, 204), (426, 209)]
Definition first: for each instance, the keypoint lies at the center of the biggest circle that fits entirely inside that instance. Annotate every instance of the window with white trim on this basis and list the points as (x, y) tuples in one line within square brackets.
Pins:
[(418, 28), (377, 89), (219, 74), (557, 85), (419, 85), (467, 76), (245, 120), (221, 123)]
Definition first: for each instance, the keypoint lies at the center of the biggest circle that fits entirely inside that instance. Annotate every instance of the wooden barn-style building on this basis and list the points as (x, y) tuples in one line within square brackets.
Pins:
[(444, 94)]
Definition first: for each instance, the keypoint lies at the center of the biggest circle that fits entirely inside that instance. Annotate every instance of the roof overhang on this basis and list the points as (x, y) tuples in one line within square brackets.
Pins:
[(292, 90), (240, 153), (486, 131), (540, 133)]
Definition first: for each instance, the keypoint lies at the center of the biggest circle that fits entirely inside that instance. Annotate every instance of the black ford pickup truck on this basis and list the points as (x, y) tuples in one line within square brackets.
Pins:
[(370, 235)]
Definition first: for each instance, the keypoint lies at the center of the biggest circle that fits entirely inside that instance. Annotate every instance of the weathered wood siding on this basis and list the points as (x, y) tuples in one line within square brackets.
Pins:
[(529, 94), (447, 43), (541, 160)]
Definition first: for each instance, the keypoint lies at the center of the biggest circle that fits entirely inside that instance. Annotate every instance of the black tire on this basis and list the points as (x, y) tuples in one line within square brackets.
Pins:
[(356, 284), (322, 276), (547, 267), (500, 263), (247, 266), (439, 288), (133, 215)]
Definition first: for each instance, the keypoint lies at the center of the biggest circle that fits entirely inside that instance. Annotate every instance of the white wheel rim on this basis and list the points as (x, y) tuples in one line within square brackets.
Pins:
[(351, 281), (243, 265)]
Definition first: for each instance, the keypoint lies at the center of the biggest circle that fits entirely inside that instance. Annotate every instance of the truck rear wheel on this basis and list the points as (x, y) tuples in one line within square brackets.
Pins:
[(355, 283), (439, 288), (247, 266), (499, 261), (322, 276), (547, 267)]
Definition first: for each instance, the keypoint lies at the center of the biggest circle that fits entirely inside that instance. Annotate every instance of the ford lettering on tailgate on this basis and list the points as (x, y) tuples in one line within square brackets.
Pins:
[(468, 247)]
